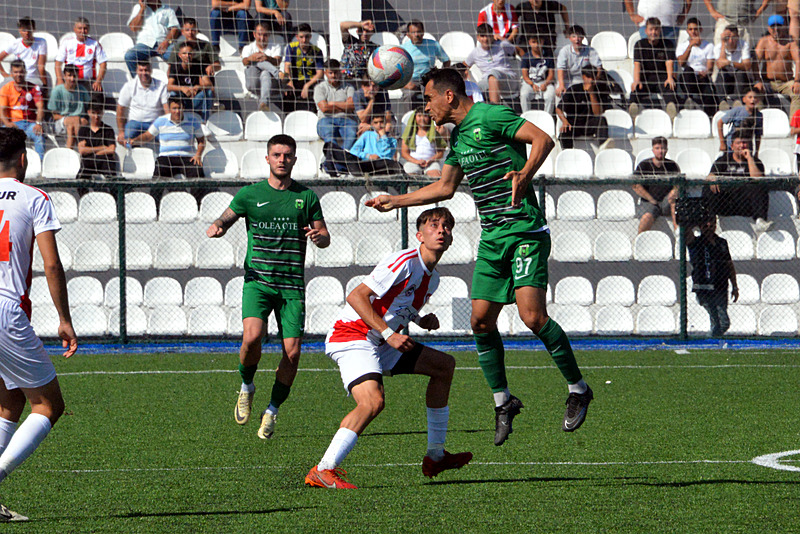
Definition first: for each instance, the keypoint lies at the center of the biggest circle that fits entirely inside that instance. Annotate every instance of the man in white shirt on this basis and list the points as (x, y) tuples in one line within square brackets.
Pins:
[(86, 54), (494, 59), (733, 64), (262, 60), (141, 101), (696, 56), (30, 50), (26, 372), (155, 26)]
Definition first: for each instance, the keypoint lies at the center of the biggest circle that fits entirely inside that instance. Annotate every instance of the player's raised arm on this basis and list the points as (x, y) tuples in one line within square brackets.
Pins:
[(57, 283), (442, 189), (359, 300), (541, 145), (221, 225), (317, 232)]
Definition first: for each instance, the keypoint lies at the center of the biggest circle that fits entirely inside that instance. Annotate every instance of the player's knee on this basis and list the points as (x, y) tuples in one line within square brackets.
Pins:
[(533, 319), (446, 366), (480, 325)]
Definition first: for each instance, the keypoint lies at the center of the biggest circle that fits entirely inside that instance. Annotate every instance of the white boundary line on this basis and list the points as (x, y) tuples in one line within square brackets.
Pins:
[(773, 461)]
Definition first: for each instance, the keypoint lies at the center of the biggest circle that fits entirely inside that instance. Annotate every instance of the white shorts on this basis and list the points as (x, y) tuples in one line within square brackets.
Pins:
[(23, 360), (358, 358), (59, 128)]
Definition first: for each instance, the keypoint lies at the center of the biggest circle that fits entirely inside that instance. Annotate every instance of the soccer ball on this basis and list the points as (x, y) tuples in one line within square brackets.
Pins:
[(390, 67)]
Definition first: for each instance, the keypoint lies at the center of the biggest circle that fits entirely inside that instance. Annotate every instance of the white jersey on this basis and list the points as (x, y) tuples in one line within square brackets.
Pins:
[(84, 55), (28, 54), (402, 285), (25, 212)]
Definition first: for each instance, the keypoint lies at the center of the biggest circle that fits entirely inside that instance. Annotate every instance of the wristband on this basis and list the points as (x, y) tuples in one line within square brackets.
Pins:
[(386, 333)]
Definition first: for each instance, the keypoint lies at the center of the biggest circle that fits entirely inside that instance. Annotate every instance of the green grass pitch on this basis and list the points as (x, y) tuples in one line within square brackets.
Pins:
[(148, 444)]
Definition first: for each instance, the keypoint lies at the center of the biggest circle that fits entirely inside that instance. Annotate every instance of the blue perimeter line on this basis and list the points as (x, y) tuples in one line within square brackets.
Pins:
[(626, 344)]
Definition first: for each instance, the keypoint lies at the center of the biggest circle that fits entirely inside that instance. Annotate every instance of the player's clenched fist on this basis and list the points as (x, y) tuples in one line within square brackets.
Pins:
[(429, 322), (215, 231), (381, 203)]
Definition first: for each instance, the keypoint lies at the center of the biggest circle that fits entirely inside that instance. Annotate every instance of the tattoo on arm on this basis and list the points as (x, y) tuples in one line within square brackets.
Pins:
[(227, 219)]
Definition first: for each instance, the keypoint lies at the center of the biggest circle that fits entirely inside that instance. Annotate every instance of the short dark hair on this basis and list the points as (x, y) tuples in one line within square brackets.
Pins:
[(576, 29), (144, 63), (175, 100), (26, 23), (18, 64), (653, 21), (282, 139), (264, 25), (659, 140), (444, 79), (694, 20), (12, 144), (484, 29), (189, 20), (733, 28), (415, 22), (742, 133), (436, 213), (186, 44), (304, 28), (533, 37), (589, 71), (755, 91), (333, 64), (96, 104), (72, 69)]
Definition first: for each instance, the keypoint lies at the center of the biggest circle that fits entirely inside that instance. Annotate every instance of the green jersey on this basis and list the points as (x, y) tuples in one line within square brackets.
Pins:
[(483, 146), (276, 242)]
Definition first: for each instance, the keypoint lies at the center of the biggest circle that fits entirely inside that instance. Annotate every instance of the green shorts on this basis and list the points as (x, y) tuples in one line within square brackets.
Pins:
[(259, 301), (505, 264)]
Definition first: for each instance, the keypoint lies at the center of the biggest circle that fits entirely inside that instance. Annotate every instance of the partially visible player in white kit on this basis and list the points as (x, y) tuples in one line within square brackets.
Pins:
[(26, 371), (366, 345)]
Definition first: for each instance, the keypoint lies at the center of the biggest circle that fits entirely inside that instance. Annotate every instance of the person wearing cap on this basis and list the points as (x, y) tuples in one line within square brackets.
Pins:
[(778, 59), (572, 58), (740, 13)]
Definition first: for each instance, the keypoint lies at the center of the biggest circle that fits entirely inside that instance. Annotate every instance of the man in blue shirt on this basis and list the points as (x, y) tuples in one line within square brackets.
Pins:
[(424, 52)]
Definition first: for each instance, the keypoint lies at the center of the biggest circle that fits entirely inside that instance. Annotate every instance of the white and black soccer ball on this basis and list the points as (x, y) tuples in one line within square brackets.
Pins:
[(390, 67)]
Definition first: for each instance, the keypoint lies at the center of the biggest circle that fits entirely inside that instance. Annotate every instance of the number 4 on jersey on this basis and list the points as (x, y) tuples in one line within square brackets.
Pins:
[(5, 241)]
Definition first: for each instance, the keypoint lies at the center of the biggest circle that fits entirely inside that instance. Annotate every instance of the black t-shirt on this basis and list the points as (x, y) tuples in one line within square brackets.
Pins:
[(189, 76), (647, 169), (709, 265), (576, 104), (541, 22), (726, 166), (653, 57), (104, 136)]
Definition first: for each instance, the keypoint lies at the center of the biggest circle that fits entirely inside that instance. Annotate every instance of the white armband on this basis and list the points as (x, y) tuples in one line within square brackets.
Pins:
[(386, 333)]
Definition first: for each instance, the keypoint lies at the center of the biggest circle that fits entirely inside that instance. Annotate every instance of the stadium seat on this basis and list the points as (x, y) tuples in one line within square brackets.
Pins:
[(140, 208), (749, 291), (229, 84), (620, 124), (338, 254), (625, 80), (743, 320), (615, 291), (172, 254), (302, 125), (320, 42), (613, 321), (138, 163), (652, 123), (306, 166), (65, 205), (135, 321), (657, 290), (213, 204), (777, 321), (115, 44), (338, 207), (39, 293), (207, 321), (450, 287), (166, 321), (321, 318), (262, 125), (655, 321), (652, 246), (740, 245), (178, 207), (162, 291), (45, 321), (34, 169), (776, 162), (371, 250), (694, 162), (233, 292), (575, 290), (572, 247), (91, 256), (225, 126), (612, 246), (371, 215), (63, 252), (235, 327), (220, 164), (52, 43), (610, 46), (461, 205), (574, 320), (776, 124), (613, 163), (85, 290), (202, 291), (780, 288), (214, 254), (228, 45), (775, 245), (457, 45), (352, 283), (575, 206), (781, 204), (97, 208), (324, 290), (133, 292), (543, 120), (90, 321), (615, 205), (573, 163), (549, 206), (384, 38), (113, 82), (254, 165), (61, 163), (460, 252), (6, 39), (632, 40), (691, 124), (138, 256)]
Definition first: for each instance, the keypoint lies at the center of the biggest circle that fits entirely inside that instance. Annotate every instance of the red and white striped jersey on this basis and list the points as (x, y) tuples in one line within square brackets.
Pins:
[(402, 285), (25, 212), (84, 55), (501, 22)]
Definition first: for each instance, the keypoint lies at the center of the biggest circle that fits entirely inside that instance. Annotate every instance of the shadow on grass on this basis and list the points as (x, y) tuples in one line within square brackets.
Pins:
[(130, 515), (690, 483), (506, 480), (406, 432)]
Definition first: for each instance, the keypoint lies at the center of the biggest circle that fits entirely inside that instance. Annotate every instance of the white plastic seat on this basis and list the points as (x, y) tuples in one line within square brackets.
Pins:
[(450, 287), (85, 290), (235, 327), (214, 254), (460, 252), (34, 169), (740, 245), (213, 204), (302, 125), (135, 321), (776, 124), (91, 256), (61, 163), (543, 120), (133, 292), (575, 206), (613, 321), (384, 38), (657, 290), (6, 39), (138, 256), (338, 207), (781, 204), (691, 124), (575, 290), (610, 46), (353, 283), (207, 321), (162, 291), (572, 247), (776, 161), (780, 288), (173, 254), (694, 162), (254, 164), (90, 321), (39, 293), (225, 125), (220, 164), (114, 81), (319, 41), (52, 43), (229, 83), (573, 163), (140, 208), (65, 205), (549, 206), (166, 321), (262, 125), (612, 246), (652, 245), (743, 320), (306, 166), (338, 254), (613, 163), (548, 167), (324, 290), (371, 250), (620, 124), (64, 253), (615, 291), (457, 45), (371, 215), (138, 164), (655, 321), (574, 320), (616, 205), (44, 320), (777, 321), (461, 205), (97, 208), (178, 207), (653, 123), (632, 40), (115, 44), (202, 291), (625, 80), (320, 319), (775, 245), (233, 292)]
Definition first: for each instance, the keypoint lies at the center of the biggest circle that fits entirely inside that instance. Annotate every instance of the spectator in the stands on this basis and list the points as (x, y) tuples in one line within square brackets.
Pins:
[(779, 63), (740, 13), (205, 54), (733, 63), (538, 89), (230, 16), (748, 199), (421, 145), (67, 103), (538, 17), (275, 13), (501, 18), (32, 51), (155, 27), (473, 89), (189, 83), (141, 101), (671, 13), (572, 58), (336, 121), (370, 100), (377, 142), (794, 129), (96, 145), (22, 106), (86, 54), (746, 119), (696, 56), (262, 62), (494, 58), (424, 53), (656, 200), (302, 69), (653, 72), (581, 112), (356, 49)]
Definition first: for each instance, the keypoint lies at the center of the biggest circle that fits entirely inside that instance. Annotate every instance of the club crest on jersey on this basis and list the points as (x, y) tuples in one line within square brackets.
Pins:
[(476, 134), (298, 203), (524, 250), (410, 291)]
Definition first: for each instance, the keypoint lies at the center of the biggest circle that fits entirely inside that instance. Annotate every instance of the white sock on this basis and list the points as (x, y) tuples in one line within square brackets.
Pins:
[(28, 436), (342, 443), (248, 388), (272, 409), (7, 429), (578, 387), (437, 431), (501, 397)]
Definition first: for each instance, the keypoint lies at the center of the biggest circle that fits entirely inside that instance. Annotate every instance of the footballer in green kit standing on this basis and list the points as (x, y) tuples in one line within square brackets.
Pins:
[(488, 146), (281, 217)]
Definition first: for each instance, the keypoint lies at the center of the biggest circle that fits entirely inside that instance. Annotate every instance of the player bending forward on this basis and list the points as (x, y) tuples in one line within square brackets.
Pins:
[(26, 371), (365, 343)]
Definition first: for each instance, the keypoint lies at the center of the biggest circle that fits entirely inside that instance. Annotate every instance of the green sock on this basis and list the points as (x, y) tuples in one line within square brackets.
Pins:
[(247, 373), (491, 356), (280, 392), (557, 344)]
